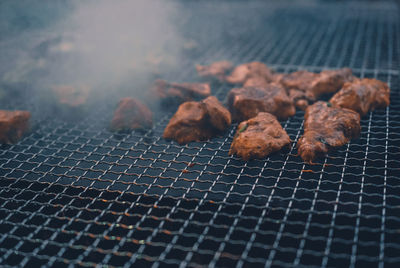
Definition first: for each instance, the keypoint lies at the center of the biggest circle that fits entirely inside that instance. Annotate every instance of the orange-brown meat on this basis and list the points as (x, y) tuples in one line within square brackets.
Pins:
[(307, 87), (131, 114), (198, 121), (325, 128), (247, 102), (217, 70), (69, 96), (245, 71), (172, 93), (13, 125), (259, 137), (362, 96)]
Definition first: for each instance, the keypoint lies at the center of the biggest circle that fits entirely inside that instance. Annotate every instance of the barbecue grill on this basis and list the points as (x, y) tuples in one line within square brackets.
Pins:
[(73, 193)]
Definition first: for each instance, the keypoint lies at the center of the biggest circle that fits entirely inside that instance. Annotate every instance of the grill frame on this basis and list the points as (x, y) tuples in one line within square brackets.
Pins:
[(84, 196)]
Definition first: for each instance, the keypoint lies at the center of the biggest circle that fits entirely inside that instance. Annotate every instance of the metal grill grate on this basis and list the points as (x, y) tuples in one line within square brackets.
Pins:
[(78, 194)]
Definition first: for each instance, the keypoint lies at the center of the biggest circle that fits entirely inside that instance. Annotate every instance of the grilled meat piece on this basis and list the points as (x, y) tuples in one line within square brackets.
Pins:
[(245, 71), (247, 102), (362, 95), (176, 93), (71, 96), (131, 114), (325, 128), (13, 125), (301, 99), (262, 81), (215, 70), (256, 81), (198, 121), (300, 80), (330, 81), (258, 137), (314, 85)]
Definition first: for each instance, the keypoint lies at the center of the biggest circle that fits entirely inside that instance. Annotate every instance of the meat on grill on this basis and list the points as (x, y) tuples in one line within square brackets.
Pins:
[(176, 93), (217, 70), (247, 102), (69, 96), (262, 81), (13, 125), (301, 99), (362, 95), (198, 121), (245, 71), (306, 87), (325, 128), (131, 114), (259, 137)]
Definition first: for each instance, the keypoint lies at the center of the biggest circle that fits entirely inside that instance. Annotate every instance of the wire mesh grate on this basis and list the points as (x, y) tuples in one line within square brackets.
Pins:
[(74, 193)]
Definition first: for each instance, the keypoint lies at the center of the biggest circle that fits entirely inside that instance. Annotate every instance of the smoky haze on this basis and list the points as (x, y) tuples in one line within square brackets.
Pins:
[(113, 45)]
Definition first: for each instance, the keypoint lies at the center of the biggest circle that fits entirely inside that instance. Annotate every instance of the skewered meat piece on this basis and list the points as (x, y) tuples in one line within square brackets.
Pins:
[(245, 71), (198, 121), (131, 114), (216, 70), (179, 92), (71, 96), (306, 87), (13, 125), (247, 102), (325, 128), (258, 137), (362, 96)]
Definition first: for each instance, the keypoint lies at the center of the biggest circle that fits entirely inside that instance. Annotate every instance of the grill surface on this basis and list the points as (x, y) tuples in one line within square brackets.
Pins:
[(74, 193)]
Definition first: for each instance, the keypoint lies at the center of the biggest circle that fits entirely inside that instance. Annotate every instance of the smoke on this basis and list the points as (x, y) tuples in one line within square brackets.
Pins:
[(108, 45)]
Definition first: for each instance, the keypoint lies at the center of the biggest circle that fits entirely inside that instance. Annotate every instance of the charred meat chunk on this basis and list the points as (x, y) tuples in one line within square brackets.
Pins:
[(259, 137), (306, 87), (176, 93), (13, 125), (131, 114), (198, 121), (217, 70), (325, 128), (362, 96), (247, 102), (245, 71)]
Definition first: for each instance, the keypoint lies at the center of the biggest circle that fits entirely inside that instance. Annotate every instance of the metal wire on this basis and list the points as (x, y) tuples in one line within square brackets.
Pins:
[(77, 194)]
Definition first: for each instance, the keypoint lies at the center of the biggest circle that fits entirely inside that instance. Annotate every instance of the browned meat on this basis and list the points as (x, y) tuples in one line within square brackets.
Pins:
[(245, 71), (314, 85), (326, 128), (300, 80), (362, 96), (216, 70), (13, 125), (258, 137), (131, 114), (247, 102), (301, 99), (330, 81), (256, 81), (71, 96), (179, 92), (198, 121)]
